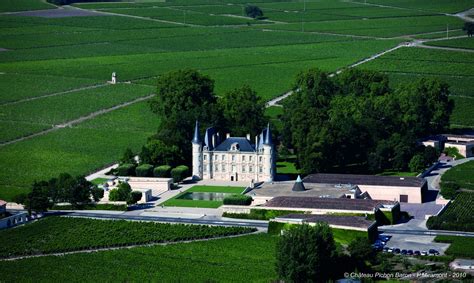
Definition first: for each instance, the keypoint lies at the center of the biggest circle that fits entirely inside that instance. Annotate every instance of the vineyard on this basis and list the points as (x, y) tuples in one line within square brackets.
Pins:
[(457, 216), (242, 259), (462, 174), (460, 246), (61, 234)]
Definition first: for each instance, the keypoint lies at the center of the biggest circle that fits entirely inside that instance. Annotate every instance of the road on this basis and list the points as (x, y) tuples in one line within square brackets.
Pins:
[(201, 221), (426, 232)]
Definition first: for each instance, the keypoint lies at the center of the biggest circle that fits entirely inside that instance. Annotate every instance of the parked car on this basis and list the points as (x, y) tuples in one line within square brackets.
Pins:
[(390, 250), (416, 253), (433, 252), (403, 252), (384, 238), (396, 250), (410, 252), (424, 253)]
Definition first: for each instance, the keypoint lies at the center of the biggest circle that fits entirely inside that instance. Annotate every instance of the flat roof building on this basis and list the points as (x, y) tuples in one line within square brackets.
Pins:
[(401, 189)]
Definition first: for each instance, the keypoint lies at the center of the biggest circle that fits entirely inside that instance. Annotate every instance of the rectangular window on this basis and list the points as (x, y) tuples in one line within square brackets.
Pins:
[(223, 167), (215, 157), (260, 169), (205, 168), (217, 167), (233, 157), (250, 169), (243, 169), (205, 157), (243, 157), (223, 157), (233, 168), (260, 159), (250, 158)]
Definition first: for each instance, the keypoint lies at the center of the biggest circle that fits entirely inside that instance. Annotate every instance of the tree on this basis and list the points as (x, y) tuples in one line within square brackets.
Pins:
[(144, 170), (180, 173), (430, 154), (97, 194), (360, 251), (80, 192), (417, 163), (253, 11), (306, 254), (183, 97), (38, 199), (124, 190), (128, 157), (243, 112), (468, 28), (158, 152), (135, 196)]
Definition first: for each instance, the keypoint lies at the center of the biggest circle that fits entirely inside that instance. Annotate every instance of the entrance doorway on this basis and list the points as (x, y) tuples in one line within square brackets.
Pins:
[(403, 198)]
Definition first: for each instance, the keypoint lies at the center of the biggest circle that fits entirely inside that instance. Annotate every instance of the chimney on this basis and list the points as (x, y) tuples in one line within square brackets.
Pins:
[(256, 142), (248, 137), (227, 135)]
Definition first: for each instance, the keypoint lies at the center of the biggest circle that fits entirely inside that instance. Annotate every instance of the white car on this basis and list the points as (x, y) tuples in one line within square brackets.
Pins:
[(390, 250), (424, 253)]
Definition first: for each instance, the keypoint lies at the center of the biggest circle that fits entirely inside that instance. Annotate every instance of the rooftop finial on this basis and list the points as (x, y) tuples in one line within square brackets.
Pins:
[(268, 137), (196, 138)]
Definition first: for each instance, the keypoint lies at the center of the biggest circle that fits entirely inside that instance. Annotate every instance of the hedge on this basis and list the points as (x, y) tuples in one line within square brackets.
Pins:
[(144, 170), (126, 170), (163, 171), (180, 173), (238, 200), (99, 206)]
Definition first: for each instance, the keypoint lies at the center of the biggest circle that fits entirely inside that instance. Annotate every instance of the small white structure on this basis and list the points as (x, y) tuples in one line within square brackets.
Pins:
[(146, 195), (114, 78)]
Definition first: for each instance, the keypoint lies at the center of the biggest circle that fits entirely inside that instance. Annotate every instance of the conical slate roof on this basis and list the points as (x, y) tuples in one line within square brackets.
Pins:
[(298, 186), (268, 137), (196, 138)]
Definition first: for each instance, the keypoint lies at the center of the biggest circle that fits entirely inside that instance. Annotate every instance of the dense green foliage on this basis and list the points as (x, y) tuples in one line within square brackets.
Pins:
[(126, 169), (121, 193), (238, 200), (144, 170), (460, 246), (58, 234), (205, 261), (379, 130), (457, 216), (306, 254), (163, 171), (261, 214), (253, 11), (180, 173), (95, 206), (23, 5)]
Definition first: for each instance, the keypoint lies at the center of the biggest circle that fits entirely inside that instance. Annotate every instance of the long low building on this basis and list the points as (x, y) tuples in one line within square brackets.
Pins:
[(401, 189)]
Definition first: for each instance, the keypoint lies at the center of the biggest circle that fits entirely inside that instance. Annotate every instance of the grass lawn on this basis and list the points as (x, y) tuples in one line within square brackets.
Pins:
[(344, 237), (286, 167), (460, 246), (242, 259), (202, 203), (99, 181), (395, 173)]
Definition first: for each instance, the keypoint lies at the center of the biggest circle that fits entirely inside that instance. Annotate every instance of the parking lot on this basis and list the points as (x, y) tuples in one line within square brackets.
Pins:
[(415, 243)]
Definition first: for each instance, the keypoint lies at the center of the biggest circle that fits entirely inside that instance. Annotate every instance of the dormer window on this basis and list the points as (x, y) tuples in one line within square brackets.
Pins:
[(235, 147)]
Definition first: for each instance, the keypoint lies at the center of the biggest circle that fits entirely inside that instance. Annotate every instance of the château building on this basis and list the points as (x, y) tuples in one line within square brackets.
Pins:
[(233, 158)]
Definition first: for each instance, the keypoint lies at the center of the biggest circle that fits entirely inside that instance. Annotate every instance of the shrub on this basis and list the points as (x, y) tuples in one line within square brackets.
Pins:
[(113, 195), (238, 200), (163, 171), (126, 170), (180, 173), (135, 196), (121, 193), (144, 170), (253, 11), (453, 152)]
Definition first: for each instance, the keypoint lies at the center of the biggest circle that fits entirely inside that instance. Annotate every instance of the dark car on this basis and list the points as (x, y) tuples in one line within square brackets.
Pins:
[(396, 250), (403, 252), (384, 238), (417, 253), (433, 252), (377, 247), (410, 252)]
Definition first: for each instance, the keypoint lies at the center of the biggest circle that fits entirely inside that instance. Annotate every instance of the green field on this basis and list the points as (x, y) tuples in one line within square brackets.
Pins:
[(23, 5), (455, 68), (460, 246), (175, 201), (467, 43), (457, 216), (48, 56), (462, 174), (242, 259), (60, 234)]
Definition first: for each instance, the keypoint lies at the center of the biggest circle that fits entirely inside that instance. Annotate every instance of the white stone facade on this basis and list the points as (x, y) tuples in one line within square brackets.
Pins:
[(234, 159)]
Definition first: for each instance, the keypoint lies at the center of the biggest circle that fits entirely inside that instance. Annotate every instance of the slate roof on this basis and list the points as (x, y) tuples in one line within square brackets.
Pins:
[(327, 203), (244, 144), (342, 220), (365, 180)]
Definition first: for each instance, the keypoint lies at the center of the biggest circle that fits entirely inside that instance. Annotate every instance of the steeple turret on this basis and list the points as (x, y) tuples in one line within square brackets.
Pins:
[(268, 136), (197, 137)]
